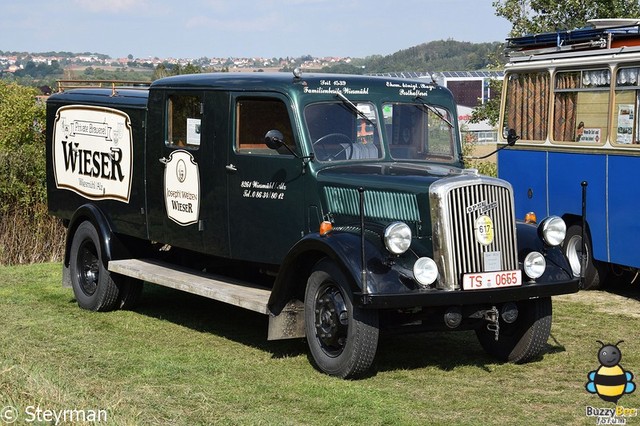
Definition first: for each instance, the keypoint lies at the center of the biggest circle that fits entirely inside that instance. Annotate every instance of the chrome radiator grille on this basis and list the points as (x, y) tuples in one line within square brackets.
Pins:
[(473, 227)]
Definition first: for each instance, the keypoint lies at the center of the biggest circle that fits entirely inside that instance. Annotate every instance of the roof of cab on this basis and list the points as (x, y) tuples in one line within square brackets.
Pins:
[(270, 80)]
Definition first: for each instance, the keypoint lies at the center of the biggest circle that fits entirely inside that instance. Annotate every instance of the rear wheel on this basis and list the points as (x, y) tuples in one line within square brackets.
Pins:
[(342, 338), (92, 283), (130, 290), (523, 340)]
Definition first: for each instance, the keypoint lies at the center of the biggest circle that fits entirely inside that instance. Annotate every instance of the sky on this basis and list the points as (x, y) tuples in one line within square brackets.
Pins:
[(243, 28)]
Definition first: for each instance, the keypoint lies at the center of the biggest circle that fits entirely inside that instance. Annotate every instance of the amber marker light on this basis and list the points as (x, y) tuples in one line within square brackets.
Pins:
[(530, 218), (325, 227)]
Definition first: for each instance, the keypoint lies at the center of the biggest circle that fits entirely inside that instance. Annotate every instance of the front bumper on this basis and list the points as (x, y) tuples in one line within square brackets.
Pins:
[(432, 298)]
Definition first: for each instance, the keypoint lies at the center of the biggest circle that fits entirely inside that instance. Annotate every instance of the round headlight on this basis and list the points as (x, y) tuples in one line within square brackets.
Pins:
[(397, 237), (553, 230), (425, 271), (534, 265)]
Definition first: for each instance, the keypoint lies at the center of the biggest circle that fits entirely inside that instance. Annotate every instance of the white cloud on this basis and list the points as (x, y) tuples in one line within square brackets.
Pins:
[(113, 6)]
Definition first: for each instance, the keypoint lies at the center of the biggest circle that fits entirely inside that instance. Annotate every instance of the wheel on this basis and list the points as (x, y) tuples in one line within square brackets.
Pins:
[(130, 291), (323, 145), (342, 338), (524, 339), (92, 283), (595, 272)]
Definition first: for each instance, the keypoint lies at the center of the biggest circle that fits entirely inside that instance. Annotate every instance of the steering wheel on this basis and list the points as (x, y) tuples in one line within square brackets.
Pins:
[(323, 143)]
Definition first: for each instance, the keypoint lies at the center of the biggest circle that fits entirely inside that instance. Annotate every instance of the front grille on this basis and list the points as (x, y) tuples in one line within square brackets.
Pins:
[(385, 205), (460, 246)]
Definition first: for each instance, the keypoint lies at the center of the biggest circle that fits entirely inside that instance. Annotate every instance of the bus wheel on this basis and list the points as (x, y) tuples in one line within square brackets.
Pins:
[(93, 286), (595, 272), (524, 339), (342, 338)]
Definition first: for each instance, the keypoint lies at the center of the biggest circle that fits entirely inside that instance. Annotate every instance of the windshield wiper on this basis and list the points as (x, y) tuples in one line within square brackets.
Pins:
[(433, 110), (354, 108)]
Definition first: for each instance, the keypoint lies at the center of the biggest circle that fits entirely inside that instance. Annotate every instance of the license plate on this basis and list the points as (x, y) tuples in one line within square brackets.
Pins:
[(497, 279)]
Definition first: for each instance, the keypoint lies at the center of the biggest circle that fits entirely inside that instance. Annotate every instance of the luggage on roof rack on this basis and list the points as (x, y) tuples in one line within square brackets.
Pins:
[(601, 34)]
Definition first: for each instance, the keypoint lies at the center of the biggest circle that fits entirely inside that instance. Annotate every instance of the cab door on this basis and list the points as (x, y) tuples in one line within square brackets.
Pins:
[(182, 173), (266, 187)]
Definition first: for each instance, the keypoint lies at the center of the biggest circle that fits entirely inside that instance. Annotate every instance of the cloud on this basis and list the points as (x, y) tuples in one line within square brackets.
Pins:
[(112, 6)]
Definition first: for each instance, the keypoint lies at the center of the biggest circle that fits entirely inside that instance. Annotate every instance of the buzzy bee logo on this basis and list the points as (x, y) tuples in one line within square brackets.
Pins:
[(610, 382)]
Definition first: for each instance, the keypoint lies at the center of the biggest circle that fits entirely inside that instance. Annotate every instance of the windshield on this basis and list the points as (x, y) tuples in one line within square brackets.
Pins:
[(352, 131), (343, 130), (417, 131)]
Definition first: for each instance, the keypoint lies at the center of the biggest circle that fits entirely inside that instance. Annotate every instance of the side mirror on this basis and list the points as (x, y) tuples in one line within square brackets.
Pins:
[(512, 137), (274, 139)]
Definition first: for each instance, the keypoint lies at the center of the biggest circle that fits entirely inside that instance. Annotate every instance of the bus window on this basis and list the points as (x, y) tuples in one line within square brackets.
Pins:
[(625, 110), (581, 106), (527, 108)]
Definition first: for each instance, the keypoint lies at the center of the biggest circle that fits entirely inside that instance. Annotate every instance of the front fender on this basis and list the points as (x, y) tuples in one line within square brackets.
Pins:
[(344, 249), (558, 268)]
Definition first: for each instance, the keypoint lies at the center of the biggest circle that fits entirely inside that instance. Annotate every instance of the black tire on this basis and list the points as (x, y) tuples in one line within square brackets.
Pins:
[(342, 339), (523, 340), (130, 291), (92, 283), (595, 272)]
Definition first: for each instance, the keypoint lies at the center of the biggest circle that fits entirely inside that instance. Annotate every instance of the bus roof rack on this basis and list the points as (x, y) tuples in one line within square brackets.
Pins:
[(601, 34)]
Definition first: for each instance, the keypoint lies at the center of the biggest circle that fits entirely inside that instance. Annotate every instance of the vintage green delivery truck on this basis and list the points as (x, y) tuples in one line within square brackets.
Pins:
[(337, 205)]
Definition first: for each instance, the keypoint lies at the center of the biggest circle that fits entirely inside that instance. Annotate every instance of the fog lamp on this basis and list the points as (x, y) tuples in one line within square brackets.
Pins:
[(534, 265), (425, 271)]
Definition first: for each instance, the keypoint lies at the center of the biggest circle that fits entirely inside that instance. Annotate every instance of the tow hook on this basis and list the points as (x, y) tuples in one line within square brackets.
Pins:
[(492, 315)]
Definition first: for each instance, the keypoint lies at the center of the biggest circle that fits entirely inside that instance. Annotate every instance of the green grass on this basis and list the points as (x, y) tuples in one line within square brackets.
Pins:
[(180, 359)]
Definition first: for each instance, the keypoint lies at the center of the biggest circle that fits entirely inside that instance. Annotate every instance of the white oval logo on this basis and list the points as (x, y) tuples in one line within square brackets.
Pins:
[(484, 230)]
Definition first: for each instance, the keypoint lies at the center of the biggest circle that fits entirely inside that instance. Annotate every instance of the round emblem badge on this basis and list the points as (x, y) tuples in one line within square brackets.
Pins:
[(181, 171), (484, 230)]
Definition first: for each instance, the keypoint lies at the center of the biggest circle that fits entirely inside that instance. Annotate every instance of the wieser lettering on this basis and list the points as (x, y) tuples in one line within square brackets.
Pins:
[(105, 165)]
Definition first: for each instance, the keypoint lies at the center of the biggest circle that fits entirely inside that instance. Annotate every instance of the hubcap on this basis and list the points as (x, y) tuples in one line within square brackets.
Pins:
[(574, 254), (88, 268), (331, 320)]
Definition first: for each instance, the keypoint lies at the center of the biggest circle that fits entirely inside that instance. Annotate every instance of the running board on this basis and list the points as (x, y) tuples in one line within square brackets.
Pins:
[(289, 324)]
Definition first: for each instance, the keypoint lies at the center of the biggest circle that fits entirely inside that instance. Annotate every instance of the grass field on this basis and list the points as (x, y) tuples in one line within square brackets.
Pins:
[(180, 359)]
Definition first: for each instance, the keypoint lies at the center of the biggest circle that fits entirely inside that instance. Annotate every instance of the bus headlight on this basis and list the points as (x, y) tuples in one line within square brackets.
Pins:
[(397, 237), (534, 265), (425, 271), (553, 230)]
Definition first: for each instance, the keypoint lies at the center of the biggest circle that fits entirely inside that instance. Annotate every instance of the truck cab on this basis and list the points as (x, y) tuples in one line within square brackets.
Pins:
[(337, 205)]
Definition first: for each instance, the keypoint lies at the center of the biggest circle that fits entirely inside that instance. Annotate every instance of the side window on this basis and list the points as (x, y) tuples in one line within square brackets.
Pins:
[(581, 106), (254, 118), (527, 105), (184, 120), (625, 121)]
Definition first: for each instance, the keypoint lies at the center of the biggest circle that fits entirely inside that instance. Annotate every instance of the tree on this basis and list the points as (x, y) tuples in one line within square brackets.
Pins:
[(536, 16)]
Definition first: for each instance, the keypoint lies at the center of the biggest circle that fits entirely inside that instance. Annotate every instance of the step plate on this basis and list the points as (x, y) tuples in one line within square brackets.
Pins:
[(214, 287)]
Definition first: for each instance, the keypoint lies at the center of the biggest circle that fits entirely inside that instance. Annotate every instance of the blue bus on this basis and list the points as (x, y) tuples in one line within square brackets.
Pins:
[(573, 99)]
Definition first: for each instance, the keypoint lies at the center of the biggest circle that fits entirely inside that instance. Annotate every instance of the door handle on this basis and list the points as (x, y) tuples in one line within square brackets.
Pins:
[(231, 168)]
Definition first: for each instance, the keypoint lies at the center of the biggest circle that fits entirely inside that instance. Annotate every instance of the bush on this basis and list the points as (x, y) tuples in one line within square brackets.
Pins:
[(27, 233)]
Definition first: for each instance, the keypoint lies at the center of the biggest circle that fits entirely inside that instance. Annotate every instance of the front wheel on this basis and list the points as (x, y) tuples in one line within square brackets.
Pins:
[(342, 338), (524, 339)]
